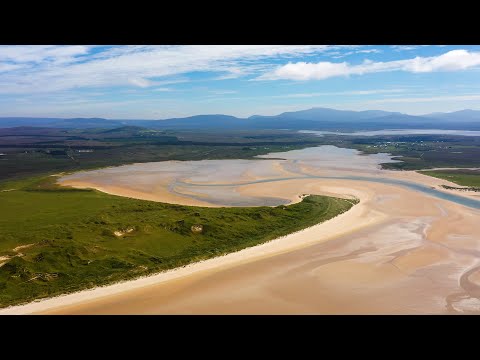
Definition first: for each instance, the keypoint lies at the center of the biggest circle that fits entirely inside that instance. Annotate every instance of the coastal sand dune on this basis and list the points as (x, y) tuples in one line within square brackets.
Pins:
[(384, 256), (349, 221), (399, 251)]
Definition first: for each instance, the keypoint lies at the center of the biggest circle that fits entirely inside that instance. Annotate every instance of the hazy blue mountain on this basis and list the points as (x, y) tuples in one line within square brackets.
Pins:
[(215, 121), (25, 121), (460, 116), (327, 119), (349, 123), (325, 114), (313, 119), (78, 123), (124, 129), (83, 123), (370, 114), (397, 118)]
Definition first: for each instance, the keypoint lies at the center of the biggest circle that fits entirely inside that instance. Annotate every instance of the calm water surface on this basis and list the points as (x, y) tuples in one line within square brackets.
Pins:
[(217, 181)]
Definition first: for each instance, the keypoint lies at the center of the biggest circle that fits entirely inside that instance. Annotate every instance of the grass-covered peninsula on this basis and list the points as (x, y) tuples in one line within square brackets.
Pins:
[(57, 240), (462, 177)]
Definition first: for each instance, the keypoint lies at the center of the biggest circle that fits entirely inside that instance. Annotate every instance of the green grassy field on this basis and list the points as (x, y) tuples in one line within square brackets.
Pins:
[(463, 177), (69, 241)]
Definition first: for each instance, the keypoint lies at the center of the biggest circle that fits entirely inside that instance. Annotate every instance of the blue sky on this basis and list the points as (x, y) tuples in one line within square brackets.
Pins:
[(155, 82)]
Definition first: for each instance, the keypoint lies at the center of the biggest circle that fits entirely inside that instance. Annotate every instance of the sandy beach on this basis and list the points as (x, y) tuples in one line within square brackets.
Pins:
[(399, 251), (350, 221)]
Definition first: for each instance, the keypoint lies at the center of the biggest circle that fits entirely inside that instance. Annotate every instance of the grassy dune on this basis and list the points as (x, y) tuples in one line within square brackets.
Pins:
[(57, 240)]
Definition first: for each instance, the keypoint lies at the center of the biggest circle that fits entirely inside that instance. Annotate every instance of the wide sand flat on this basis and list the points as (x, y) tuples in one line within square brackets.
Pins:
[(399, 251)]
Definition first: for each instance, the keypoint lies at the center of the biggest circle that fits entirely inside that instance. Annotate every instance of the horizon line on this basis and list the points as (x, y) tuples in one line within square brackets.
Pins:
[(219, 114)]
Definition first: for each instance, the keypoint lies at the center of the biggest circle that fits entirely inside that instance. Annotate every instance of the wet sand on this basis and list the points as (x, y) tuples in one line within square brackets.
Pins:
[(181, 182), (399, 251)]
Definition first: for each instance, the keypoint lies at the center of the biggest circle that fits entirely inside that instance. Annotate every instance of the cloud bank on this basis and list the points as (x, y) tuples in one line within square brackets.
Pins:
[(35, 69), (451, 61), (29, 69)]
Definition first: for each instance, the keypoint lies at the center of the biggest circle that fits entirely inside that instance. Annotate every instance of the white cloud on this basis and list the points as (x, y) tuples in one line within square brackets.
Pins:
[(404, 47), (163, 89), (141, 82), (468, 97), (57, 67), (308, 71), (171, 81), (223, 92), (370, 92), (43, 69), (353, 92), (339, 54), (451, 61), (9, 67), (40, 53), (367, 51)]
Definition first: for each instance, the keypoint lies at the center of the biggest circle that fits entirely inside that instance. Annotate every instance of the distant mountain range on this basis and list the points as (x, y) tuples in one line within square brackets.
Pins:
[(311, 119)]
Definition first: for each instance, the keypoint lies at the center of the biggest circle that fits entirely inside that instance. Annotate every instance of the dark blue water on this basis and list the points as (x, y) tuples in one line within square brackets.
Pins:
[(472, 203)]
